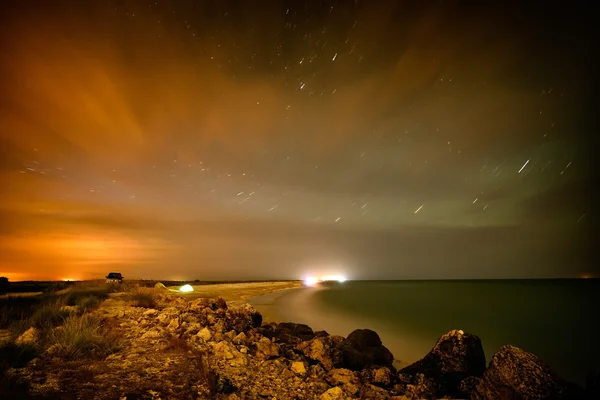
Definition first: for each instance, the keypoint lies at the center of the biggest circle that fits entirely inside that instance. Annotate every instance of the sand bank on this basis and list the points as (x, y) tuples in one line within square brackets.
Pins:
[(238, 292)]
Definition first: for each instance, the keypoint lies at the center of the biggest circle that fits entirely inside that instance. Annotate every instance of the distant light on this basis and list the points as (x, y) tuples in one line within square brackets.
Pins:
[(311, 281), (69, 279), (186, 289), (339, 278)]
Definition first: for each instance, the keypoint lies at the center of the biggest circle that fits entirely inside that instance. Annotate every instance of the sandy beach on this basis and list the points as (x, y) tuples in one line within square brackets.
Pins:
[(237, 293)]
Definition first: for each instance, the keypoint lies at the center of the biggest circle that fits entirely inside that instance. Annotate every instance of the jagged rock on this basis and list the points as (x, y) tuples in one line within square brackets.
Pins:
[(28, 337), (174, 324), (324, 350), (363, 349), (150, 312), (224, 350), (205, 334), (455, 356), (417, 387), (373, 392), (382, 377), (516, 374), (266, 349), (241, 338), (298, 368), (335, 393), (341, 376), (288, 333)]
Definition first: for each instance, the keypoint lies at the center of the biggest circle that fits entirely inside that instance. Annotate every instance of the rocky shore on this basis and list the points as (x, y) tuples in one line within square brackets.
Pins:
[(209, 349)]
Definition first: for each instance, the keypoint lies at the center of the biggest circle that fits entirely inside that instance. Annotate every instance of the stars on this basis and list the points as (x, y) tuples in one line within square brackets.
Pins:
[(524, 165), (568, 165)]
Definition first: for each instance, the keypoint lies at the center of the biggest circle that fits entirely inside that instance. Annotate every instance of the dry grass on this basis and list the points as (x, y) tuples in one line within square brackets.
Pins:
[(48, 315), (143, 297), (83, 336)]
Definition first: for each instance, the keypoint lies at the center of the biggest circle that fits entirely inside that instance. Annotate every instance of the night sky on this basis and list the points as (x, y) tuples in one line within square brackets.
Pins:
[(267, 140)]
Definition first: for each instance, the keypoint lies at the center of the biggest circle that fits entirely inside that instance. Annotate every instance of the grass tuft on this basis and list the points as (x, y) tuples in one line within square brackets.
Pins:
[(48, 315), (143, 297), (83, 336)]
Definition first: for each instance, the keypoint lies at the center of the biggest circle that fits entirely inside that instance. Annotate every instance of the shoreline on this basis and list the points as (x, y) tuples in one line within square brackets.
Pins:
[(295, 305), (236, 293)]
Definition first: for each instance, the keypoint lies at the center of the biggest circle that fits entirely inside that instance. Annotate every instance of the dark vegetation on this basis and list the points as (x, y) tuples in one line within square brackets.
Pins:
[(65, 305)]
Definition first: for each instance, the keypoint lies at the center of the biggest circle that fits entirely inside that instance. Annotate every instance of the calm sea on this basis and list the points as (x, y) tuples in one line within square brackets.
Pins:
[(554, 319)]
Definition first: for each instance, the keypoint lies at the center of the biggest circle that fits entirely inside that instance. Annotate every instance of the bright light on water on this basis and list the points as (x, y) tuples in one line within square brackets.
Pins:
[(186, 289), (339, 278), (311, 281)]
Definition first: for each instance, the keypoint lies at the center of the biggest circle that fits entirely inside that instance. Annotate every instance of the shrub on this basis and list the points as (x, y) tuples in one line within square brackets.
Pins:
[(127, 286), (49, 315), (143, 298), (74, 296), (83, 336), (88, 303)]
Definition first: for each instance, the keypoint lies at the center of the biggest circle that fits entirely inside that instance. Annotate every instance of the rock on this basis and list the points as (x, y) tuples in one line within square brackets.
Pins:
[(205, 334), (340, 376), (373, 392), (160, 286), (151, 334), (266, 349), (382, 377), (335, 393), (28, 337), (174, 324), (288, 333), (516, 374), (230, 335), (150, 312), (241, 338), (298, 368), (455, 357), (363, 349), (322, 349), (224, 350), (420, 387)]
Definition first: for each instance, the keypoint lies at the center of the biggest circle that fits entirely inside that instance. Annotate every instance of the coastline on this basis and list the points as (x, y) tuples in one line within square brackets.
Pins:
[(297, 305), (237, 293)]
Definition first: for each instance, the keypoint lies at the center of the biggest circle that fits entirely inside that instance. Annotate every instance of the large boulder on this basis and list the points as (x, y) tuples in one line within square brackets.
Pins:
[(363, 349), (287, 333), (516, 374), (266, 349), (324, 350), (455, 357)]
